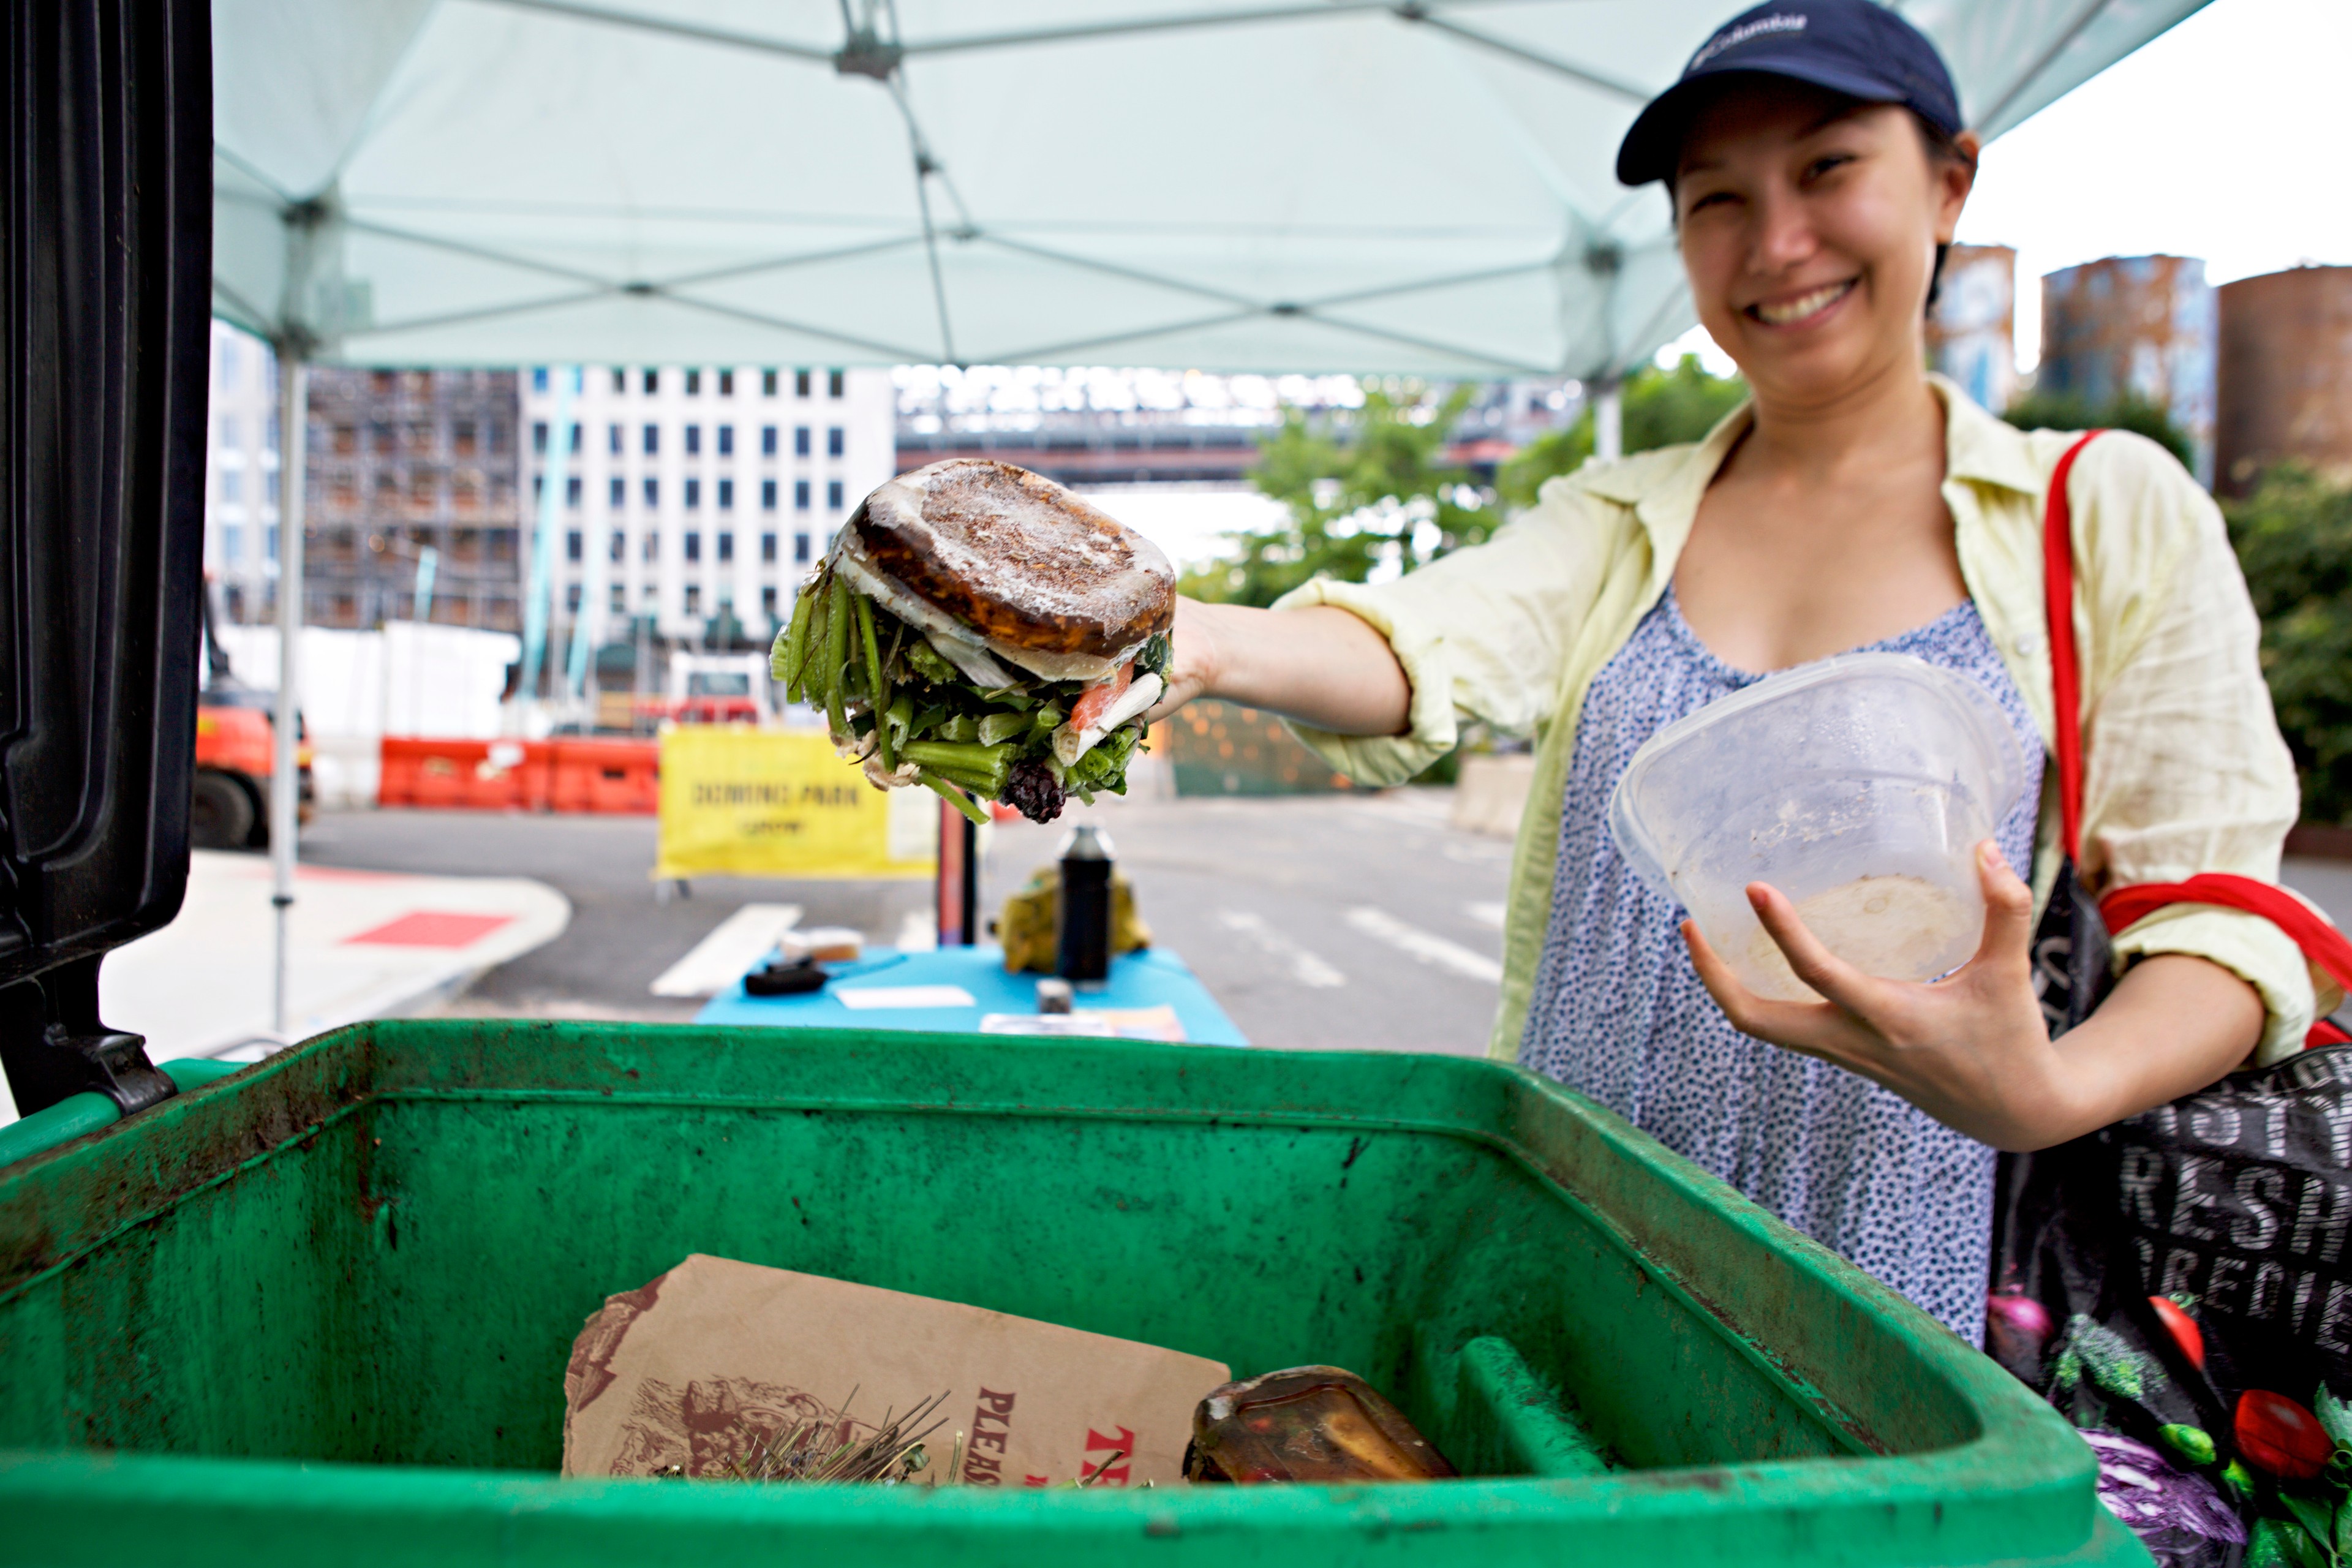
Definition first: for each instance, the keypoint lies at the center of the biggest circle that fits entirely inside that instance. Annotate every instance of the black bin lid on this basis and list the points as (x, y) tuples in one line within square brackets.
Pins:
[(108, 239)]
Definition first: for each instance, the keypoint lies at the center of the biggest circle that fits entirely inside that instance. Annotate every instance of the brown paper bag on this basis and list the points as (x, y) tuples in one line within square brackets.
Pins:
[(714, 1357)]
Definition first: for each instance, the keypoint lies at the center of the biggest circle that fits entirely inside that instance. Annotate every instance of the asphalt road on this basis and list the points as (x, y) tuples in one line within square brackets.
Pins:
[(1359, 921), (1346, 921)]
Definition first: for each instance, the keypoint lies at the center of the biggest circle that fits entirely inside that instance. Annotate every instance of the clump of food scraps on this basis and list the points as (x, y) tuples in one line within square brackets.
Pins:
[(893, 700)]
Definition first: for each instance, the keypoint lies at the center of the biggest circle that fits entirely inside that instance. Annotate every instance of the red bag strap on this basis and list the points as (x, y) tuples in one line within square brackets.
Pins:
[(2065, 673), (2322, 944)]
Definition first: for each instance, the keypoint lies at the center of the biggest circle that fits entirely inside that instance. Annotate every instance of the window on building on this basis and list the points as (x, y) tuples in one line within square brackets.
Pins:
[(653, 494), (726, 441), (767, 495), (767, 601), (768, 547), (651, 550), (726, 546), (800, 383), (693, 494), (693, 440), (420, 489), (620, 386), (799, 549), (767, 383), (652, 382), (232, 542), (228, 361), (653, 439), (726, 383), (498, 436), (726, 495), (612, 439), (832, 494), (800, 495), (228, 430), (619, 549), (538, 379), (693, 544), (767, 440), (836, 382), (576, 438), (465, 438), (801, 443), (694, 384), (537, 486), (616, 491), (836, 441), (572, 597), (346, 439), (270, 437), (617, 598), (694, 598), (232, 485), (380, 436), (574, 546), (572, 494)]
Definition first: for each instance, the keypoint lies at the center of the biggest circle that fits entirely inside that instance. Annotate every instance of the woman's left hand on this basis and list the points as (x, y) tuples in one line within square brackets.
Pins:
[(1972, 1049)]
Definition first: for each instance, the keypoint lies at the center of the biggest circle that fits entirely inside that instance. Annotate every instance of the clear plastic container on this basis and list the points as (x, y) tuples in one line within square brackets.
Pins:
[(1859, 786)]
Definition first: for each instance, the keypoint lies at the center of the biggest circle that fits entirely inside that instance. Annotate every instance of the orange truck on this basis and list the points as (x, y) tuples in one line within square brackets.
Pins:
[(235, 753)]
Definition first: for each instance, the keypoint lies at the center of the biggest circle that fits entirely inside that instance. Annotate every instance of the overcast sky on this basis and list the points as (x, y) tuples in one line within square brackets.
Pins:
[(2226, 139)]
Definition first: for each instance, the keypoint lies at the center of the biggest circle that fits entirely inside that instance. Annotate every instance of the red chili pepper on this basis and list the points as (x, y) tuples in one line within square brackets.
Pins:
[(2281, 1435), (2183, 1328)]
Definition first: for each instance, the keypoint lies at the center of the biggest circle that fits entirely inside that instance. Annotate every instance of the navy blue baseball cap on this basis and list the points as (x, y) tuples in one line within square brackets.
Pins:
[(1854, 46)]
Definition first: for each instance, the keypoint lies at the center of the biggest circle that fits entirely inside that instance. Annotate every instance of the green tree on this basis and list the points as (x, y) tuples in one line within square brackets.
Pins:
[(2068, 411), (1661, 407), (1360, 489), (2294, 537)]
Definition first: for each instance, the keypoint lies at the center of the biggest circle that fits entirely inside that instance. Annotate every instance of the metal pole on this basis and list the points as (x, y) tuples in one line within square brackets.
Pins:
[(1609, 421), (285, 764)]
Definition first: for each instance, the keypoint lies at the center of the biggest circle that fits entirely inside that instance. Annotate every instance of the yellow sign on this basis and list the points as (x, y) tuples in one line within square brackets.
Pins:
[(769, 803)]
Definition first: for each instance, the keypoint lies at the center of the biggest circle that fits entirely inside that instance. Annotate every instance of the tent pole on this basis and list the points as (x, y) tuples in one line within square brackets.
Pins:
[(1608, 420), (285, 764)]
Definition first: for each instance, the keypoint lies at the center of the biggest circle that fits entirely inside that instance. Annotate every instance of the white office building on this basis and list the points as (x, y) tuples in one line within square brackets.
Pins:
[(241, 474), (692, 489)]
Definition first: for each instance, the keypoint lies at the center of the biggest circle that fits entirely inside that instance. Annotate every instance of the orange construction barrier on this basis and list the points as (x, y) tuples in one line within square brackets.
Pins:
[(465, 775), (618, 776)]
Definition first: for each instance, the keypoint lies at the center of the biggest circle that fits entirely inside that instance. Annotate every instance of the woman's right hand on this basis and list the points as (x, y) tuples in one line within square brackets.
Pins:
[(1192, 664), (1320, 665)]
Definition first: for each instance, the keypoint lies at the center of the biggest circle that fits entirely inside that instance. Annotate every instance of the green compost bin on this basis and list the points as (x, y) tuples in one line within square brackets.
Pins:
[(321, 1309)]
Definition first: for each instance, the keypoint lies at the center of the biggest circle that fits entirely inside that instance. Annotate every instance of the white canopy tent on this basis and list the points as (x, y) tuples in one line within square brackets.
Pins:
[(1230, 184), (1418, 186)]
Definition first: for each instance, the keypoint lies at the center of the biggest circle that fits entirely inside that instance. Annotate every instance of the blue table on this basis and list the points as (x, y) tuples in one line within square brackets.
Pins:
[(1148, 979)]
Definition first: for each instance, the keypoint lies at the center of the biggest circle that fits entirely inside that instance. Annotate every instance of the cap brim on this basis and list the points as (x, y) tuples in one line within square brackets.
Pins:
[(1655, 139)]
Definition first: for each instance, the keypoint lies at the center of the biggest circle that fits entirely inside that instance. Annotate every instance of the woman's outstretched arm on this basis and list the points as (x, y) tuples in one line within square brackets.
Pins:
[(1321, 665)]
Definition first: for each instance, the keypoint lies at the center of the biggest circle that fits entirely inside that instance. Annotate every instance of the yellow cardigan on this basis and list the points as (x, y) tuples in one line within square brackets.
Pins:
[(2185, 770)]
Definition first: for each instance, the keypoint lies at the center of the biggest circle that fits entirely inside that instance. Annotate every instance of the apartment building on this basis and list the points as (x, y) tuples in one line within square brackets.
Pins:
[(690, 492)]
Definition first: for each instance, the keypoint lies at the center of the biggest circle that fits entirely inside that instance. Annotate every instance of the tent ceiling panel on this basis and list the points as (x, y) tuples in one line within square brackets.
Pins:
[(1242, 184)]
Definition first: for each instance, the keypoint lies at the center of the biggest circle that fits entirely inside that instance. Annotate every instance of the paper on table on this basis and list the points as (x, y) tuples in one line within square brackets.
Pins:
[(701, 1365), (1158, 1023), (865, 996)]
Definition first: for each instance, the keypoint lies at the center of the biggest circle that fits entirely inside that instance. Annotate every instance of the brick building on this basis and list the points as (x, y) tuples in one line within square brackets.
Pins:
[(411, 509)]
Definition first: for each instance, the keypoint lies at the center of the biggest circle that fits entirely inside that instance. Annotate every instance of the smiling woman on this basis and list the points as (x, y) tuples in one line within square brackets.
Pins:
[(1818, 166)]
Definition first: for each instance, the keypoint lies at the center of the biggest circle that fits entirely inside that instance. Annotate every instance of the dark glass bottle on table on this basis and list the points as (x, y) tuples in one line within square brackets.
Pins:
[(1082, 914)]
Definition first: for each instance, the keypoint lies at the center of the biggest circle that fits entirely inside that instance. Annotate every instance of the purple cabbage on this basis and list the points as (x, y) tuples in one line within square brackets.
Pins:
[(2172, 1511)]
